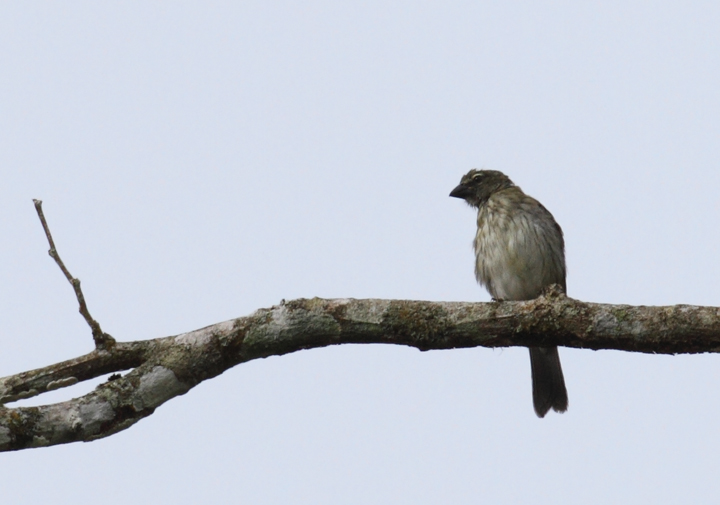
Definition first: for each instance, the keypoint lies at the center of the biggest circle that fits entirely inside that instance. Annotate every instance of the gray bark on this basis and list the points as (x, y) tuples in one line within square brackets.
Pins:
[(163, 368)]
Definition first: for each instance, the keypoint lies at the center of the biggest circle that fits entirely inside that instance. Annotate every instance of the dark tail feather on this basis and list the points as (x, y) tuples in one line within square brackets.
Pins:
[(548, 383)]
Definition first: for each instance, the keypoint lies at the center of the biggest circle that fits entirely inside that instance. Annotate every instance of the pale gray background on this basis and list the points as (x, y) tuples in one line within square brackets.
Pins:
[(200, 160)]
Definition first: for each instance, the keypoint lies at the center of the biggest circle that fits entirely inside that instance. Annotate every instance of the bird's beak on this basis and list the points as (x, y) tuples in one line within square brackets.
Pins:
[(461, 191)]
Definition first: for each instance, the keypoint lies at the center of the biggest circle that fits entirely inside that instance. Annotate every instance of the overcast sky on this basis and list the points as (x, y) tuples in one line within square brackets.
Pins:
[(200, 160)]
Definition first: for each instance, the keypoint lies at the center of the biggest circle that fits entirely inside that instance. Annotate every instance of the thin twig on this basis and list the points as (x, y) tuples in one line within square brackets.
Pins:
[(102, 339)]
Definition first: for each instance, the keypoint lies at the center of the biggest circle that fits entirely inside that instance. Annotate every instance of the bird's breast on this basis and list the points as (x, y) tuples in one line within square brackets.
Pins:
[(515, 255)]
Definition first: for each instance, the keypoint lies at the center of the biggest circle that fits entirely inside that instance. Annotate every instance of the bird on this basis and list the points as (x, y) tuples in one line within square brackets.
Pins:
[(519, 253)]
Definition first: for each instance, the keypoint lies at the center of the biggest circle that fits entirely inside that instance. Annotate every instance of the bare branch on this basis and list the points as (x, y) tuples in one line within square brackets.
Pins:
[(102, 340), (167, 367)]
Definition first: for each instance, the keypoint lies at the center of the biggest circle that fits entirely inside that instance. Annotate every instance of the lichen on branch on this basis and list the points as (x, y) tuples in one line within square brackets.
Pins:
[(163, 368)]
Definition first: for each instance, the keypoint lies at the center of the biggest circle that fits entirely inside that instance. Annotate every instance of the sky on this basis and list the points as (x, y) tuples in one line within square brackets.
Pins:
[(200, 160)]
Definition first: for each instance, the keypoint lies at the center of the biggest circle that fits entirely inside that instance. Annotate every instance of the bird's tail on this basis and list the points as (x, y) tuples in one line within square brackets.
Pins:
[(548, 383)]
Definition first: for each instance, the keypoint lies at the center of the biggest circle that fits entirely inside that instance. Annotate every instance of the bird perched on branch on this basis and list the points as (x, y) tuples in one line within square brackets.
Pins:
[(519, 252)]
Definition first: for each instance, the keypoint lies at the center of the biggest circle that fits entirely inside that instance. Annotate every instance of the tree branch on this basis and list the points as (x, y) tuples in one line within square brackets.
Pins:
[(167, 367)]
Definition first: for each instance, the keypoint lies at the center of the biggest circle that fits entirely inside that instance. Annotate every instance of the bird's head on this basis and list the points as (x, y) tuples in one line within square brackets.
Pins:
[(478, 185)]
